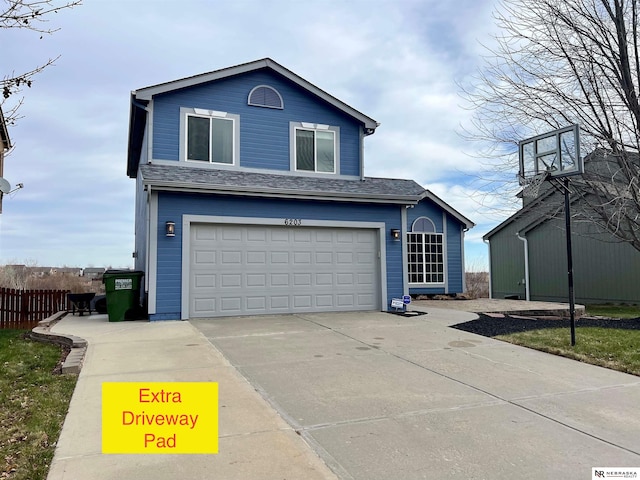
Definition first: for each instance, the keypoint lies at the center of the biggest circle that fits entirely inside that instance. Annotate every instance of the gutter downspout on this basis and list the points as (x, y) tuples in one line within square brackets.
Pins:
[(526, 266), (488, 242), (362, 135)]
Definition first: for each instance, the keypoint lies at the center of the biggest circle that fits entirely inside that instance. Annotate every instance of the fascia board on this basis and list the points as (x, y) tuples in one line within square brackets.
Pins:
[(279, 193), (147, 93), (517, 215), (448, 208)]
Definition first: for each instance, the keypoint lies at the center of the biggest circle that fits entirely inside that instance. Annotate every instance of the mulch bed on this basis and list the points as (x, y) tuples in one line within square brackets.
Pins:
[(489, 326)]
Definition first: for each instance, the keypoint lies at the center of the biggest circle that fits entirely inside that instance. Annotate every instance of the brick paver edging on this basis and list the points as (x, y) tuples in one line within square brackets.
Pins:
[(78, 346)]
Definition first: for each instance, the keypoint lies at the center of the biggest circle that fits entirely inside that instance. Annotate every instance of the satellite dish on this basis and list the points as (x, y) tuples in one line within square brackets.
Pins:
[(5, 187)]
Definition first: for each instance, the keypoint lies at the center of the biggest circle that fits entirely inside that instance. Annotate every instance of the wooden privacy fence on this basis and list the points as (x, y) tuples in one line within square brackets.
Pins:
[(23, 309)]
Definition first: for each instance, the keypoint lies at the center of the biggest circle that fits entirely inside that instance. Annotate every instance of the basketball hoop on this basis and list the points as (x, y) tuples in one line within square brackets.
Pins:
[(531, 185)]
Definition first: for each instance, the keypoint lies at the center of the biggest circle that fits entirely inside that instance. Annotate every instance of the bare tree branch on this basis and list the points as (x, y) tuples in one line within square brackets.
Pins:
[(556, 63), (31, 15)]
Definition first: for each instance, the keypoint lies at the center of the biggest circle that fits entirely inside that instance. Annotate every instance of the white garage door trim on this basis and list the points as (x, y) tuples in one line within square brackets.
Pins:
[(187, 220)]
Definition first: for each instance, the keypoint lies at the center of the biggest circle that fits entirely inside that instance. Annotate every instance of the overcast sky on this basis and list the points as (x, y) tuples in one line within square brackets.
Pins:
[(399, 62)]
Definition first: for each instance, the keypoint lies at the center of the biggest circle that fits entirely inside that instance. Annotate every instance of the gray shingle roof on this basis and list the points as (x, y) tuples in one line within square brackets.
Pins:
[(386, 190)]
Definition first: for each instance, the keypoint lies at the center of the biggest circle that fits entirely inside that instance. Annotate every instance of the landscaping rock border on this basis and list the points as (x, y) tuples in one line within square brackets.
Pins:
[(493, 324), (77, 346)]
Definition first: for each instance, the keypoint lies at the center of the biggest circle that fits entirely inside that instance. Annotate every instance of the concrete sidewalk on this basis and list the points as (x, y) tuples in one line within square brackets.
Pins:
[(254, 441), (382, 396)]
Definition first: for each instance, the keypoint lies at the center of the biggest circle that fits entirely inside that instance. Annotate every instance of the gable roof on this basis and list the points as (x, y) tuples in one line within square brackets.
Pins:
[(539, 203), (233, 182), (147, 93), (141, 97), (448, 208)]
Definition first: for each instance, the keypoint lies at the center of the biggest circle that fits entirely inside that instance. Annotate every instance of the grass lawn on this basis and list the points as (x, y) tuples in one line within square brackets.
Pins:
[(615, 348), (614, 311), (34, 403)]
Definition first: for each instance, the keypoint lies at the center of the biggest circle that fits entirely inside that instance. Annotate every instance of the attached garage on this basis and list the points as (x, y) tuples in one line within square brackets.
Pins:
[(241, 269)]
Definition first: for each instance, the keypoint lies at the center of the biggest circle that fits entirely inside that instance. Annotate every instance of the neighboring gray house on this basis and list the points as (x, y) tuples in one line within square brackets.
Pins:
[(528, 260), (94, 273)]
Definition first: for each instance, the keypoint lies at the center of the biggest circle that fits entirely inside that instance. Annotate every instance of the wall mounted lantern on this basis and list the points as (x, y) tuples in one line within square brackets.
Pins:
[(395, 234), (170, 229)]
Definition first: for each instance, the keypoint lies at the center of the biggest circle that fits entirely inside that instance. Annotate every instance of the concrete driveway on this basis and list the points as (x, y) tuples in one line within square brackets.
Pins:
[(381, 396)]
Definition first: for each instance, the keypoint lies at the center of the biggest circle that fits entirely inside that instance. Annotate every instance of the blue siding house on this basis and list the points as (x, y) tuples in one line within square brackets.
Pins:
[(251, 199)]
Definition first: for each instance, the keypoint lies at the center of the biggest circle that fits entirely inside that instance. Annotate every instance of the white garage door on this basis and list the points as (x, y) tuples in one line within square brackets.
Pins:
[(250, 270)]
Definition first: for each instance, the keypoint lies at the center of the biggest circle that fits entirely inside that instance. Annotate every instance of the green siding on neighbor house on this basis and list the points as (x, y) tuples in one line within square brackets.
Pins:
[(507, 267), (548, 263), (604, 270)]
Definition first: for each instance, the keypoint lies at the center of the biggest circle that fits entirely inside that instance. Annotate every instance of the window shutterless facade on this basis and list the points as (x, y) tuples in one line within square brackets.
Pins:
[(426, 258), (314, 148), (209, 136)]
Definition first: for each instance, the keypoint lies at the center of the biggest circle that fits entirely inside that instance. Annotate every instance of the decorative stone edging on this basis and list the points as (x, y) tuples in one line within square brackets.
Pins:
[(77, 345)]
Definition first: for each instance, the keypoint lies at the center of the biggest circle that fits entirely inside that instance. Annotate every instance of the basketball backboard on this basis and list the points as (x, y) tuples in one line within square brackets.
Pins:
[(556, 152)]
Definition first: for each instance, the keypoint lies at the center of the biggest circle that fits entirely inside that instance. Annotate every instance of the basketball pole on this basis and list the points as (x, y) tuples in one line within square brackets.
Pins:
[(567, 222)]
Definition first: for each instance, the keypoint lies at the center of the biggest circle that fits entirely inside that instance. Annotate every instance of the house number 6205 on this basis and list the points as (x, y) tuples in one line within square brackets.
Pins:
[(293, 222)]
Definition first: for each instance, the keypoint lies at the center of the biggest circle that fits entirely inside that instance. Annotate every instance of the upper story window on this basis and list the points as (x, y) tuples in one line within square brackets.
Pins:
[(315, 147), (265, 96), (210, 136)]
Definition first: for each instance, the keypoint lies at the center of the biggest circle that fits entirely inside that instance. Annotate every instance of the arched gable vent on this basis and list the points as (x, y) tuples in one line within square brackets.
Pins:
[(423, 224), (265, 96)]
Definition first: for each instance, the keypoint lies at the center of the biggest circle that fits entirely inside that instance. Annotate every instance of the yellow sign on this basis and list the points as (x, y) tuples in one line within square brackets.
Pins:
[(160, 417)]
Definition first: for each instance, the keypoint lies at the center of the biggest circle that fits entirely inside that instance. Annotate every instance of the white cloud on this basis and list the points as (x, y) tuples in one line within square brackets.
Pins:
[(397, 62)]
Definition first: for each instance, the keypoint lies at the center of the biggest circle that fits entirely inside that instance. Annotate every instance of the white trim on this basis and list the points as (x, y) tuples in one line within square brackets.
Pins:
[(405, 256), (153, 251), (187, 220), (149, 131), (147, 93), (525, 242), (448, 208), (314, 127), (444, 264), (445, 253), (488, 242), (185, 113), (281, 107), (464, 267), (201, 112), (435, 230)]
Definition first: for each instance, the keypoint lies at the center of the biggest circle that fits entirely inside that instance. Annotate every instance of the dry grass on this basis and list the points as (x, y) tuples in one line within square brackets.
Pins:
[(612, 348), (34, 404), (477, 284)]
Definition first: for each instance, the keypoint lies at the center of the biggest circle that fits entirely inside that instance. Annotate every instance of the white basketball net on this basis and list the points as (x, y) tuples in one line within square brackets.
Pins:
[(531, 185)]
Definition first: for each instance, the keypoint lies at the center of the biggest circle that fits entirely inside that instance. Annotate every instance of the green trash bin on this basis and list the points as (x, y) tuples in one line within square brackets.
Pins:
[(123, 294)]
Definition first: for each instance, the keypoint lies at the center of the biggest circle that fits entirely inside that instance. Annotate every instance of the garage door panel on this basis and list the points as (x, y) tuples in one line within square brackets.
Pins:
[(238, 270), (256, 280), (302, 301), (205, 281), (231, 280), (256, 303), (344, 258), (231, 305), (280, 258)]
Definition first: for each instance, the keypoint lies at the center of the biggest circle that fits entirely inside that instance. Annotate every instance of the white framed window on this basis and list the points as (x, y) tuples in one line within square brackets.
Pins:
[(426, 254), (209, 136), (314, 148)]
